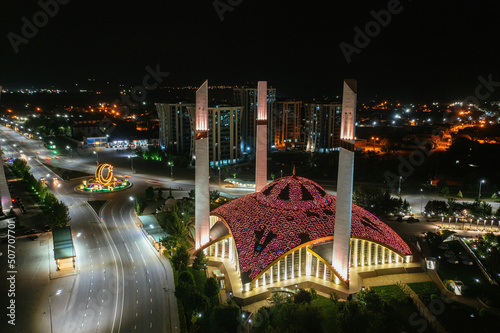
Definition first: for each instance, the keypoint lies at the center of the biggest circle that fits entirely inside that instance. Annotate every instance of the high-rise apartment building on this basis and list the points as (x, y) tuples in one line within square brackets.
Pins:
[(176, 127), (288, 125), (224, 135), (247, 98), (224, 131), (322, 125)]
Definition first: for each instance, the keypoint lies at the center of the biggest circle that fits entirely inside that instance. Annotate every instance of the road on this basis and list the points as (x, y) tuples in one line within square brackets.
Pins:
[(121, 285)]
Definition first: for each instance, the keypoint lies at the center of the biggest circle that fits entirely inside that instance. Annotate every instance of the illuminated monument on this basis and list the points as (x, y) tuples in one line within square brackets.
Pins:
[(104, 180), (285, 230), (202, 191), (342, 234), (261, 153)]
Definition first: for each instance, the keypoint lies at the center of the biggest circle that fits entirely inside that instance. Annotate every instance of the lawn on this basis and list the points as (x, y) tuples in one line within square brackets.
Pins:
[(391, 294), (424, 290), (324, 303)]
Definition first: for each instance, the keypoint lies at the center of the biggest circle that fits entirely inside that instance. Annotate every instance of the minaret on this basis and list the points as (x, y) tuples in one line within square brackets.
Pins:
[(342, 232), (261, 151), (202, 191)]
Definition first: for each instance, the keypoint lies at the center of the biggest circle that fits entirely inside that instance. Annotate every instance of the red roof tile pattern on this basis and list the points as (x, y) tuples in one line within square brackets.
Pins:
[(287, 213)]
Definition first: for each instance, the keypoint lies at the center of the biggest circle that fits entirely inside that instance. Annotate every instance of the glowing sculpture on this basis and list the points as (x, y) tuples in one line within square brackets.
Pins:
[(104, 181), (99, 175)]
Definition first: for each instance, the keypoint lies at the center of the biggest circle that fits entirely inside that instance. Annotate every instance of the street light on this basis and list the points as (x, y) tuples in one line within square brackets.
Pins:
[(96, 157), (131, 161), (71, 149), (422, 201), (399, 187), (171, 170), (50, 305), (480, 183)]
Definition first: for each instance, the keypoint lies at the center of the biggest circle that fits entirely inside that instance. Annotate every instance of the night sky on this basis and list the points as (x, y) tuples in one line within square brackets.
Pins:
[(431, 50)]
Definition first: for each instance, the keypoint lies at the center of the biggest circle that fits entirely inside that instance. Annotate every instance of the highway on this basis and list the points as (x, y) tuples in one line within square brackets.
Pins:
[(121, 285)]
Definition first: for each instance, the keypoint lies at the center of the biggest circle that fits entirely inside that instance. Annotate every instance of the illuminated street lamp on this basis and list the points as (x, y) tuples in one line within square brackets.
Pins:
[(69, 148), (96, 157), (171, 170), (131, 161), (422, 201), (480, 183), (399, 187), (374, 139), (218, 168), (50, 305)]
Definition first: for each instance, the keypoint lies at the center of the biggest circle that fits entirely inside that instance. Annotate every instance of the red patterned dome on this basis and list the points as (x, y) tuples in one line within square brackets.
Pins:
[(293, 193), (287, 213)]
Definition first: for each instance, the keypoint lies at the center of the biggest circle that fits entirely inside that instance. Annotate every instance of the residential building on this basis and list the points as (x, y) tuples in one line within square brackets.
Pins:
[(322, 123), (247, 98)]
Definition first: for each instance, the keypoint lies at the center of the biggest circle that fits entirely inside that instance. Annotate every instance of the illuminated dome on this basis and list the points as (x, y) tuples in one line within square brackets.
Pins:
[(293, 193), (289, 213)]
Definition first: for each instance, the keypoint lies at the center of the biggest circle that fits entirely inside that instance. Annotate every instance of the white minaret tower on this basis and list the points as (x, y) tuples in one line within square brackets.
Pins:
[(342, 233), (261, 151), (202, 191)]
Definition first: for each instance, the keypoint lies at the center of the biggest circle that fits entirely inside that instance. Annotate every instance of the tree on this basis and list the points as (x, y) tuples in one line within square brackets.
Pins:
[(200, 261), (173, 224), (314, 293), (150, 193), (212, 290), (351, 318), (459, 194), (371, 299), (191, 193), (303, 296), (334, 297), (180, 256), (184, 285), (445, 191), (214, 195), (436, 207), (226, 318), (261, 321), (59, 214)]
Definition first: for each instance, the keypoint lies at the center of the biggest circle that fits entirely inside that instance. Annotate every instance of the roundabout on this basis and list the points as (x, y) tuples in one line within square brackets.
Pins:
[(104, 181)]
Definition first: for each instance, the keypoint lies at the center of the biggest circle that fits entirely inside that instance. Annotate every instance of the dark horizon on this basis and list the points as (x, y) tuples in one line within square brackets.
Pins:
[(426, 51)]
